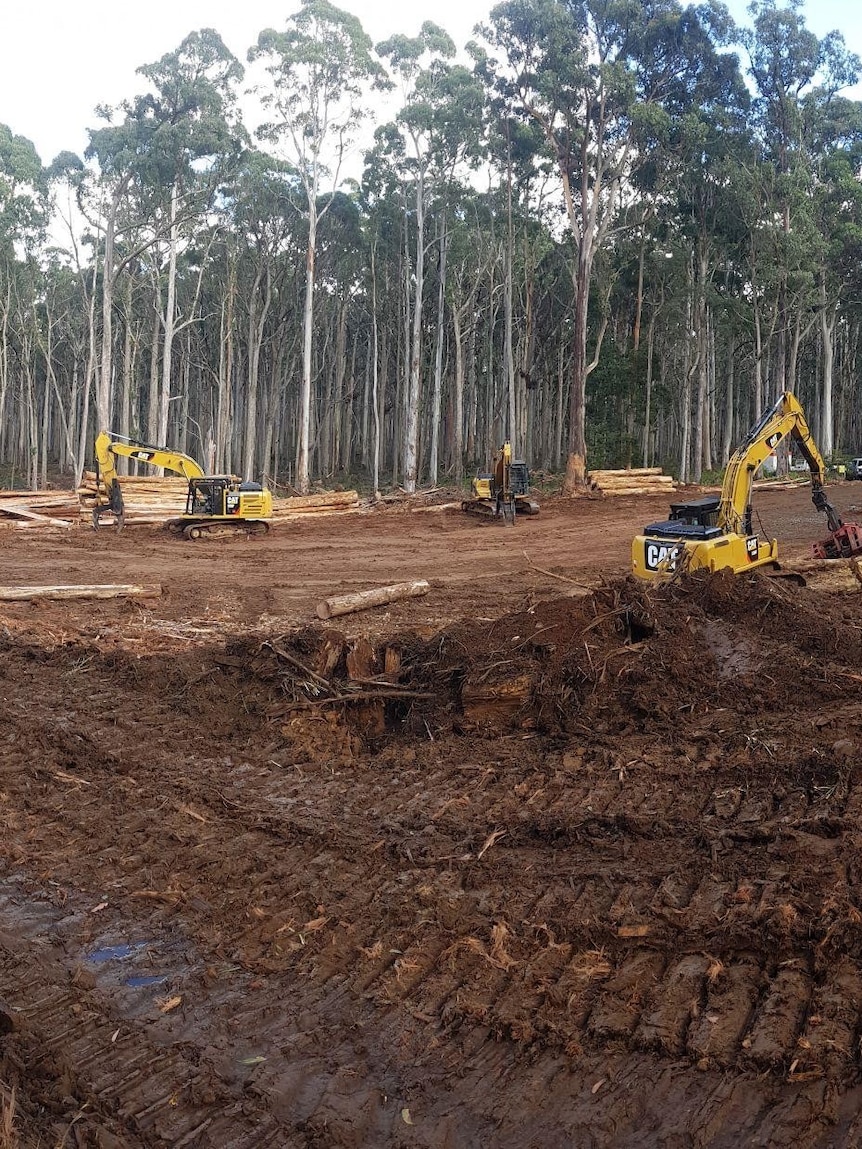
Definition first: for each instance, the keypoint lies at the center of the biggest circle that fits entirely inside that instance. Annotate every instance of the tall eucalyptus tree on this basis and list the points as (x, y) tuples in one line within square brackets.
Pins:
[(319, 70)]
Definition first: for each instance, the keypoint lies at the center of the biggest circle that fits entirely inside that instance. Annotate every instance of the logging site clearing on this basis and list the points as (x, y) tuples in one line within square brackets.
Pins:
[(546, 856)]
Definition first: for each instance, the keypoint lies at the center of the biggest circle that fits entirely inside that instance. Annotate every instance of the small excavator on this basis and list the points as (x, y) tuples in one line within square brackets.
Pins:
[(503, 492), (215, 504), (717, 533)]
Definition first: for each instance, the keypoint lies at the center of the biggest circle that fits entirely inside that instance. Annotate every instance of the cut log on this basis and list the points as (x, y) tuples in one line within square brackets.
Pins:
[(632, 473), (632, 481), (841, 576), (108, 590), (323, 499), (611, 491), (496, 702), (361, 661), (435, 507), (363, 599), (33, 517)]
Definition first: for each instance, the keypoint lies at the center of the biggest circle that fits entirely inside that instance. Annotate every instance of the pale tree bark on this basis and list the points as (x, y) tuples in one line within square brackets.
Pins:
[(225, 375), (508, 321), (169, 317), (729, 400), (302, 462), (433, 466), (104, 378), (153, 395), (647, 428), (90, 375), (827, 339), (256, 324), (414, 387), (700, 426)]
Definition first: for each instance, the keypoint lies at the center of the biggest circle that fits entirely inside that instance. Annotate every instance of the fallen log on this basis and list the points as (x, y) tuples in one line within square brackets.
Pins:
[(34, 518), (841, 576), (285, 513), (632, 480), (612, 491), (632, 472), (323, 499), (364, 599), (108, 590), (435, 507)]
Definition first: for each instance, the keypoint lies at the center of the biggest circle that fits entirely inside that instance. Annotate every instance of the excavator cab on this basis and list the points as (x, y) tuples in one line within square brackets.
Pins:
[(223, 496), (696, 519)]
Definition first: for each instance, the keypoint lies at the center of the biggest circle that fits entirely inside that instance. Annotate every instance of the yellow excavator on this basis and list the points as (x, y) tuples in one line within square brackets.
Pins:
[(716, 532), (503, 492), (215, 504)]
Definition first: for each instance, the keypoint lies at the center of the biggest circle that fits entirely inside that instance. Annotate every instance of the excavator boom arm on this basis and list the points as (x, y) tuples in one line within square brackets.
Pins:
[(107, 449), (785, 418)]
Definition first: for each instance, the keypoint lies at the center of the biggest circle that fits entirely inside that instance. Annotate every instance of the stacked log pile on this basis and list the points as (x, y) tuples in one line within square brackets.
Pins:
[(149, 500), (25, 510), (635, 481)]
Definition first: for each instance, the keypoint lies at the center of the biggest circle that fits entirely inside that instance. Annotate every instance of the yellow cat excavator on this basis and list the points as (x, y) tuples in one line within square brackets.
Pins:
[(503, 492), (716, 532), (215, 504)]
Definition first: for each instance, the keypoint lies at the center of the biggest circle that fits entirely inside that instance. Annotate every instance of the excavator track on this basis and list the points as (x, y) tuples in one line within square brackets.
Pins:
[(218, 529), (484, 509)]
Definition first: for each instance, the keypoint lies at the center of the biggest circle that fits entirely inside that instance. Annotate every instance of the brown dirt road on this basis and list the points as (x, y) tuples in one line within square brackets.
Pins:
[(474, 566), (595, 882)]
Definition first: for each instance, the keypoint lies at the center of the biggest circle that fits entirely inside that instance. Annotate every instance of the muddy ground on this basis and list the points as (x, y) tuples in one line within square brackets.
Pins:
[(491, 868)]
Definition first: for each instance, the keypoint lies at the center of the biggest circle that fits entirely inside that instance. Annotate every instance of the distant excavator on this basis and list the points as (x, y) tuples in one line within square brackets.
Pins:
[(216, 505), (716, 533), (503, 492)]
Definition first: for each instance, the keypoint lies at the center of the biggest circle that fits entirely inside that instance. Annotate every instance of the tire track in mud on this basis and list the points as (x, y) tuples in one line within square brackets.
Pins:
[(118, 1076), (435, 910), (468, 974)]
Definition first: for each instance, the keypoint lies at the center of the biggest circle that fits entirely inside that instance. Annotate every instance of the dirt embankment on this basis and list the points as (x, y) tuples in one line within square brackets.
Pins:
[(580, 874)]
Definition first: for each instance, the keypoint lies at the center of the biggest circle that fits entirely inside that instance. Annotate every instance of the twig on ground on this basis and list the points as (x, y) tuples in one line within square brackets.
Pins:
[(553, 574)]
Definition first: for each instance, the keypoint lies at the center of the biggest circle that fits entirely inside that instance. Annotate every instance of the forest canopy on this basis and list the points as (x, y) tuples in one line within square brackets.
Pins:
[(612, 231)]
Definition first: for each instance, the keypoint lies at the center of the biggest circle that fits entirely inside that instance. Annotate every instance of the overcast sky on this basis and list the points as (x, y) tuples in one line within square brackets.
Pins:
[(59, 58)]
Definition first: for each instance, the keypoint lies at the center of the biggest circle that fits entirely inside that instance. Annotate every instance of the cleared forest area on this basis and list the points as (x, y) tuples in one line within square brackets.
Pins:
[(489, 867), (531, 853)]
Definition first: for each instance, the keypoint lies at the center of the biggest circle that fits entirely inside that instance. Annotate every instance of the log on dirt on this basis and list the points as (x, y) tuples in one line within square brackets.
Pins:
[(437, 508), (364, 599), (325, 499), (32, 518), (840, 576), (107, 590), (612, 492)]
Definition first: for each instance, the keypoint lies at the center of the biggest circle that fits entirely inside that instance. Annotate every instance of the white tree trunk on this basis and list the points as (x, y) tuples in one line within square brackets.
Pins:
[(169, 319), (438, 361), (302, 463), (411, 433)]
